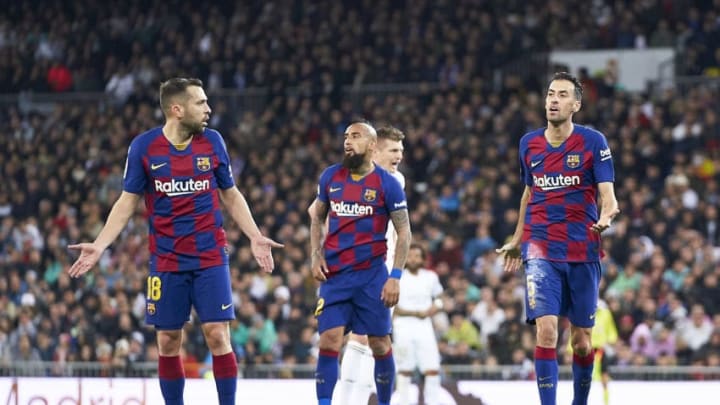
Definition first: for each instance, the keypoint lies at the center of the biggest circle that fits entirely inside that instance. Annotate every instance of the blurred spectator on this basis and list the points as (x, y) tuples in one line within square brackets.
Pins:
[(460, 343), (59, 77), (696, 330)]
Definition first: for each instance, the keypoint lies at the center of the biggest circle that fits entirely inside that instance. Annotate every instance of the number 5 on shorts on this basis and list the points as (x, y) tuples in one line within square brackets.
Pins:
[(154, 291), (531, 290)]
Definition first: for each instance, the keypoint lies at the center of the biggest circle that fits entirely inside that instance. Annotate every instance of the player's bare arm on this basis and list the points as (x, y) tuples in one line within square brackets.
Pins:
[(260, 245), (318, 214), (401, 221), (119, 216), (511, 250), (417, 314), (608, 207)]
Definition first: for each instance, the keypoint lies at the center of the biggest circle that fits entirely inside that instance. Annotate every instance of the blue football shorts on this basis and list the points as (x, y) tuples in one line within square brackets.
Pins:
[(171, 296), (562, 289), (352, 299)]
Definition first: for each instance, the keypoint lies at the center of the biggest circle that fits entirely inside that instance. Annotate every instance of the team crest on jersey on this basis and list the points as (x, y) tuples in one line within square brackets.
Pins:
[(573, 161), (370, 195), (151, 308), (203, 163)]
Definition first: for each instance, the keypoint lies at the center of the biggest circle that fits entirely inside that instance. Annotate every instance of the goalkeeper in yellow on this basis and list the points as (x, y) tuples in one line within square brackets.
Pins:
[(604, 337)]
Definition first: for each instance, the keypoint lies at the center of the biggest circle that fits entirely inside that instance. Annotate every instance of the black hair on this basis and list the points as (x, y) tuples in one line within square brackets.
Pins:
[(574, 80)]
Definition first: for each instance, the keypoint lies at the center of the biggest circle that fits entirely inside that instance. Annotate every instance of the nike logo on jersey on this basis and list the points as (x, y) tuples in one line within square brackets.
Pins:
[(334, 189), (544, 378), (225, 306), (155, 167), (533, 164)]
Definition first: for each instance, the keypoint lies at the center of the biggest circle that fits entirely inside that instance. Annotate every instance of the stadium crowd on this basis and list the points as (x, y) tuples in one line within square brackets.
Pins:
[(62, 169)]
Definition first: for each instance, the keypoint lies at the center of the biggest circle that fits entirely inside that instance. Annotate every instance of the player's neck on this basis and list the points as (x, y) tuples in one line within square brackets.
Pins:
[(175, 134), (557, 134), (363, 170)]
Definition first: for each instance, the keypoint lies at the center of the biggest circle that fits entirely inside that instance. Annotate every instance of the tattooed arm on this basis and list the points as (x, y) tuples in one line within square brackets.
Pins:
[(401, 222), (318, 213), (391, 290)]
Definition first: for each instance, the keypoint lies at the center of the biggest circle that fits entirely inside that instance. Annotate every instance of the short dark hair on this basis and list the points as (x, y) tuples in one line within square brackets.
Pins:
[(419, 247), (361, 120), (174, 87), (391, 133), (574, 80)]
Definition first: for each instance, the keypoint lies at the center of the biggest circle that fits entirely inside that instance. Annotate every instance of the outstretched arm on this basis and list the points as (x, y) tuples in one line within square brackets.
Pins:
[(119, 216), (260, 245)]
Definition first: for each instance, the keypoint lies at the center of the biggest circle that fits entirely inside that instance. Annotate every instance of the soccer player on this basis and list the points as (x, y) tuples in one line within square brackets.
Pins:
[(357, 197), (183, 170), (564, 166), (356, 368), (414, 344)]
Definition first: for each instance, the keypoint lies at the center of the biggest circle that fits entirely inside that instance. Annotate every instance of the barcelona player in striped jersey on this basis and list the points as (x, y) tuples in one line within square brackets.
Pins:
[(183, 170), (356, 368), (565, 167), (357, 198)]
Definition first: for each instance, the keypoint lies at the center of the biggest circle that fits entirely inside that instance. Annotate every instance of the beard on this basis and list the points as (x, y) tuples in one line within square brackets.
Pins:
[(193, 127), (558, 119), (353, 161), (413, 266)]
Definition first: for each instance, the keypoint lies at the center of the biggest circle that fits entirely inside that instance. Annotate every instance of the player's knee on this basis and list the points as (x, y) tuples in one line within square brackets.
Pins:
[(581, 341), (169, 342), (379, 345), (331, 340), (547, 333), (217, 337), (581, 348), (362, 339)]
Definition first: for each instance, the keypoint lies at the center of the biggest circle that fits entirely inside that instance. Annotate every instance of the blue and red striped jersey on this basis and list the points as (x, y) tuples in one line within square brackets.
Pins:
[(180, 188), (359, 211), (563, 201)]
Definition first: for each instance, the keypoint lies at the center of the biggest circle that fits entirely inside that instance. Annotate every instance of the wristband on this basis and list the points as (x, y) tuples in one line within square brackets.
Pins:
[(396, 273)]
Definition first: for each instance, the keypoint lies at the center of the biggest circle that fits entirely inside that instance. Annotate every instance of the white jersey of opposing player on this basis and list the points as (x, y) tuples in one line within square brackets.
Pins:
[(391, 235), (414, 338)]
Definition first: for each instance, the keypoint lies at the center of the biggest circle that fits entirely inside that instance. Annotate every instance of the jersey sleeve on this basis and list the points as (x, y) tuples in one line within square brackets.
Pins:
[(437, 288), (134, 178), (394, 194), (401, 178), (603, 169), (322, 192), (223, 171)]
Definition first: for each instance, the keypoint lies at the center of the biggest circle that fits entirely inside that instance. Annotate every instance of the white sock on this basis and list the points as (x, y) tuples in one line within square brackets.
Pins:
[(356, 375), (432, 389), (403, 389)]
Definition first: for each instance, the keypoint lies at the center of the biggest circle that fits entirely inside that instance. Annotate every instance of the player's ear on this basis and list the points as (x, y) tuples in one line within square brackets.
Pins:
[(577, 106), (176, 109)]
